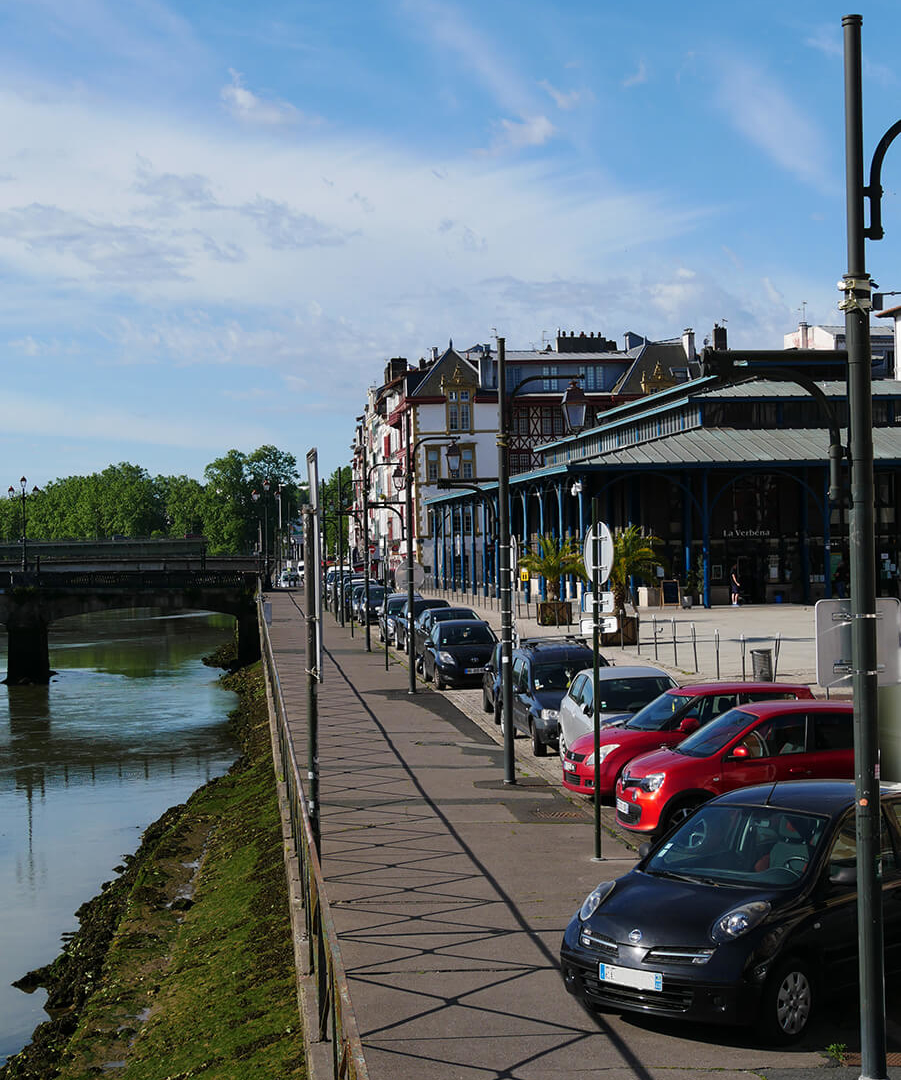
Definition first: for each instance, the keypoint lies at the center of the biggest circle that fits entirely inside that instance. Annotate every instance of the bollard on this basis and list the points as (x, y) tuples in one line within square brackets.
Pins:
[(637, 632), (694, 645), (742, 644), (777, 644), (675, 655), (656, 656), (716, 648)]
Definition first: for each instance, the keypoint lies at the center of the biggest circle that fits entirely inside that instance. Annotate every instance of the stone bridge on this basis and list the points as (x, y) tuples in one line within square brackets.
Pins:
[(30, 602)]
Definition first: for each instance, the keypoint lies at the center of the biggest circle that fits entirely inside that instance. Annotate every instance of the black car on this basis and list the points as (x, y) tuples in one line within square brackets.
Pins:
[(366, 612), (389, 610), (744, 914), (543, 668), (491, 685), (403, 619), (456, 652), (422, 627)]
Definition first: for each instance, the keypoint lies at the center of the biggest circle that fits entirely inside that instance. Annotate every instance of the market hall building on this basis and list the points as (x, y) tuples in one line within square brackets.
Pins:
[(725, 475)]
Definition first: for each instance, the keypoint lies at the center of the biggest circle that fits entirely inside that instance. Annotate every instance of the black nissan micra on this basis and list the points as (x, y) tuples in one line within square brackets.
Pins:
[(744, 914)]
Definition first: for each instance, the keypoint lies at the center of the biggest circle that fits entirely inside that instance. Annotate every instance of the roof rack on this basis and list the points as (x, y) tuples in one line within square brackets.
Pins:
[(556, 639)]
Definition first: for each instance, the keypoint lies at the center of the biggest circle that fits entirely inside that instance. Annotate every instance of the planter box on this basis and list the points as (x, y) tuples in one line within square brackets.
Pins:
[(629, 633), (555, 613)]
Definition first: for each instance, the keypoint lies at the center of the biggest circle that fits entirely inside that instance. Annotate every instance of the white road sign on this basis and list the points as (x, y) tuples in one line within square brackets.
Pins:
[(833, 641), (605, 544)]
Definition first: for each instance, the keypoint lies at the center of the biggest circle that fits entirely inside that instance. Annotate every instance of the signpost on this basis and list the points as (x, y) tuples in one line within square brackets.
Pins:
[(598, 546), (598, 555)]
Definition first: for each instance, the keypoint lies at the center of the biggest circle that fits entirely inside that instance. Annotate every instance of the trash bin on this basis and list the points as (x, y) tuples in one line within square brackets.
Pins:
[(762, 665)]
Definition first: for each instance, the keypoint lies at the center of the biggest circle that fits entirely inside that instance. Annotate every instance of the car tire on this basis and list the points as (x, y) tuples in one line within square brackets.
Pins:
[(486, 705), (503, 721), (561, 746), (678, 813), (539, 749), (426, 674), (788, 1002), (440, 684), (497, 712)]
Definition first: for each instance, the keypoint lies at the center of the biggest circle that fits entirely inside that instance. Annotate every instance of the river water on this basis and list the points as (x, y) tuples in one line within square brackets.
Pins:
[(130, 725)]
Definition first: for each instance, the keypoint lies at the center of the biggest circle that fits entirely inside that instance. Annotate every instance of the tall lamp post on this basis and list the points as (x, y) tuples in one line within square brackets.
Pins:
[(403, 480), (574, 403), (11, 491)]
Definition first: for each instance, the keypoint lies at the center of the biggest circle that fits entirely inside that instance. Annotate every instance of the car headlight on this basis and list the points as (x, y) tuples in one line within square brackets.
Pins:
[(446, 658), (595, 898), (549, 714), (605, 752), (739, 921), (653, 781)]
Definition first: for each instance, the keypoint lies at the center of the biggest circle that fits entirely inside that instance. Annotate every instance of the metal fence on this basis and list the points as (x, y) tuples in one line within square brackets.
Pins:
[(336, 1020)]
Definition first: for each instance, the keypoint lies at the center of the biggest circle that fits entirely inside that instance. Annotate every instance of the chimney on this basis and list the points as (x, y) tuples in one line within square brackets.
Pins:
[(395, 367), (433, 354), (802, 334), (688, 344), (719, 338)]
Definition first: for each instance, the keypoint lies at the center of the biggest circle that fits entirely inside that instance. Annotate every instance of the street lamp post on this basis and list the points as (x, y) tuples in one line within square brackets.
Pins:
[(404, 480), (267, 571), (11, 491)]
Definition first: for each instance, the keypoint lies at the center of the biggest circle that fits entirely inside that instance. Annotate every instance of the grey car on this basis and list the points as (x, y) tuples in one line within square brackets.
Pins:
[(623, 691)]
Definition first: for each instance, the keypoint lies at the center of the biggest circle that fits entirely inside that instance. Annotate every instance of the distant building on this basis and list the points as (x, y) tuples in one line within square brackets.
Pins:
[(831, 338)]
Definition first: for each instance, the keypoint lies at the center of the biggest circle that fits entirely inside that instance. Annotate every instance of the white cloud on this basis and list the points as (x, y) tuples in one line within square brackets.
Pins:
[(564, 100), (640, 75), (517, 134), (768, 117), (245, 106)]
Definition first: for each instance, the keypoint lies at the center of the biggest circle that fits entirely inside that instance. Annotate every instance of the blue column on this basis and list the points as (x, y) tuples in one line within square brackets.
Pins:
[(705, 542), (453, 546), (525, 537), (686, 527), (540, 535), (473, 509), (805, 538)]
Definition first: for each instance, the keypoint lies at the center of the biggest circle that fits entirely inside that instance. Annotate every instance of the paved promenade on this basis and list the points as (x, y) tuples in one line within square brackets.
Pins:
[(450, 890)]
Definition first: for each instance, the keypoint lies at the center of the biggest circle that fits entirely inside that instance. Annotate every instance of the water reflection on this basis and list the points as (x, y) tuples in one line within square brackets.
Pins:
[(132, 723)]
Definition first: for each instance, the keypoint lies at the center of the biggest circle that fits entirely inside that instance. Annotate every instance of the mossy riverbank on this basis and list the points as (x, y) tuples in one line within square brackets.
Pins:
[(183, 965)]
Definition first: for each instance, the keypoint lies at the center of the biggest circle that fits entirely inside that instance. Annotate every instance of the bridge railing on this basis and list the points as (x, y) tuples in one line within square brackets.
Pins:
[(128, 579), (336, 1018)]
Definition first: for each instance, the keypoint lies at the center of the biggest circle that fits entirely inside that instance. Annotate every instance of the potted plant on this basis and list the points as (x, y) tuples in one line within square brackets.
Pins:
[(634, 556), (553, 560)]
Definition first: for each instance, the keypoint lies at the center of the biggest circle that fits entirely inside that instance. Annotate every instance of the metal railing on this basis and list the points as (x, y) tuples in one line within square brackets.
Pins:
[(130, 579), (336, 1020)]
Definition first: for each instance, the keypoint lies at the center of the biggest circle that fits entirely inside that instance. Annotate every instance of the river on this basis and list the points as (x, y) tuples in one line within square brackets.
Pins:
[(130, 725)]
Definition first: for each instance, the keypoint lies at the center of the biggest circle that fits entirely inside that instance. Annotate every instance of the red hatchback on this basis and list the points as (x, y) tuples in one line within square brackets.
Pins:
[(664, 722), (759, 743)]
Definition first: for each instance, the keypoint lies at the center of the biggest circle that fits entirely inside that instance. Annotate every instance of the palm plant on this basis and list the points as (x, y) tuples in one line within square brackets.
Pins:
[(553, 560), (634, 555)]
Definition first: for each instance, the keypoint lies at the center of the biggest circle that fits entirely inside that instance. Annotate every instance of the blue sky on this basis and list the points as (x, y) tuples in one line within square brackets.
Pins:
[(218, 220)]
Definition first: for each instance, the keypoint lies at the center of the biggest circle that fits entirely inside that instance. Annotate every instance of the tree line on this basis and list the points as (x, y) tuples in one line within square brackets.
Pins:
[(125, 500)]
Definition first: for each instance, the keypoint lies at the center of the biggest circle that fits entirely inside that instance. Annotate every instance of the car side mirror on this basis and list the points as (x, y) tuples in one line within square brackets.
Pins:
[(644, 849), (689, 724), (842, 875), (740, 752)]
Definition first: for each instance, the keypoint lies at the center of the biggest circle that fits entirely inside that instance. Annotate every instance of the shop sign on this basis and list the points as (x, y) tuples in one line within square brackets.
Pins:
[(746, 534)]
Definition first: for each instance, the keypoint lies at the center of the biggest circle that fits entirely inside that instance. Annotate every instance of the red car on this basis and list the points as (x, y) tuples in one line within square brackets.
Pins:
[(760, 743), (665, 721)]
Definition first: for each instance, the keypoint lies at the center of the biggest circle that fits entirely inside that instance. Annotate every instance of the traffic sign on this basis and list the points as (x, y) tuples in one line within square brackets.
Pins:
[(605, 602), (607, 624), (400, 576), (833, 641), (605, 544)]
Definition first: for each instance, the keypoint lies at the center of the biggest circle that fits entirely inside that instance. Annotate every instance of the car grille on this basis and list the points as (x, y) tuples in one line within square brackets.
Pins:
[(604, 944), (677, 955)]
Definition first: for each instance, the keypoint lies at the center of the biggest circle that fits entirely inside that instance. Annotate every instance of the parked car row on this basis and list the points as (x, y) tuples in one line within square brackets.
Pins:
[(742, 907)]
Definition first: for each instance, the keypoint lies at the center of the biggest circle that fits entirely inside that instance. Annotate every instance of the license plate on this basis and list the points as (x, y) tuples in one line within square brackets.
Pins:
[(638, 980), (474, 671), (569, 766), (622, 807)]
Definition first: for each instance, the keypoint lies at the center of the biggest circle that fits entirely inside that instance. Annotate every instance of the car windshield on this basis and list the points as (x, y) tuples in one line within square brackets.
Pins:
[(554, 676), (476, 634), (663, 713), (746, 846), (395, 604), (716, 734), (629, 695), (376, 592), (440, 614)]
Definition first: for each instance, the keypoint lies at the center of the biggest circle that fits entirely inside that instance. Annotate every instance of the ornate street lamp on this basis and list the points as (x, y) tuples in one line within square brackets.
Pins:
[(575, 408), (11, 491)]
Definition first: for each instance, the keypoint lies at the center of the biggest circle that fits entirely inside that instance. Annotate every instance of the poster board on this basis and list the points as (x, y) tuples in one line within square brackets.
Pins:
[(670, 595)]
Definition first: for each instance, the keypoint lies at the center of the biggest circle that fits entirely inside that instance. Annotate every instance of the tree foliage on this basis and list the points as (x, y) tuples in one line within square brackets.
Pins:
[(634, 555), (553, 560), (124, 500)]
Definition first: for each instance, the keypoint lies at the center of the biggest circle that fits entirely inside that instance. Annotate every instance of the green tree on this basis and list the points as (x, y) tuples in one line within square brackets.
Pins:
[(634, 555), (229, 513), (183, 501), (553, 560), (337, 496)]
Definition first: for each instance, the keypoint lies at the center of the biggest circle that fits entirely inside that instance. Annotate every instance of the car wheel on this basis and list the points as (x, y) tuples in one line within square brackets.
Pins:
[(486, 704), (539, 749), (561, 746), (788, 1001), (679, 813), (426, 674), (440, 684), (504, 726), (497, 712)]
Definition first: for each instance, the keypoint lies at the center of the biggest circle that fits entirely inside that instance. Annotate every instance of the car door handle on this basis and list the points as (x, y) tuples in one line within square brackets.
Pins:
[(800, 772)]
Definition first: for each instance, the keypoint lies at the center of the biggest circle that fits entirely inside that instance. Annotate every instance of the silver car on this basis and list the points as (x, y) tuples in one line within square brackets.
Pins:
[(623, 691)]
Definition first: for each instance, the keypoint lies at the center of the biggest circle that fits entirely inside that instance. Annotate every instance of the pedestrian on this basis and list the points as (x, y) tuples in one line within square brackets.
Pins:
[(734, 585)]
